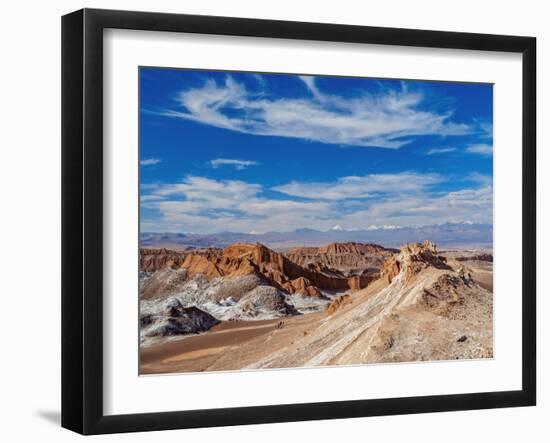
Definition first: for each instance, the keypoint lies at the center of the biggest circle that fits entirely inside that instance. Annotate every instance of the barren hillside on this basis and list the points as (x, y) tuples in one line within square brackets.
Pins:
[(424, 307)]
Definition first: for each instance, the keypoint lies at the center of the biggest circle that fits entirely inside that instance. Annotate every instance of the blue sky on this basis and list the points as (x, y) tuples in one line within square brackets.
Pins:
[(244, 152)]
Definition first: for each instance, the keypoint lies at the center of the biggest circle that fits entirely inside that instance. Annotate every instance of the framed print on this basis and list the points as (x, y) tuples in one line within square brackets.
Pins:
[(270, 221)]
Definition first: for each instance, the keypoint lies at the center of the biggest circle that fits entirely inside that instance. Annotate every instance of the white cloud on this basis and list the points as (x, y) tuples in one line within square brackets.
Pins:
[(482, 179), (310, 83), (353, 187), (388, 120), (440, 151), (485, 129), (235, 163), (149, 161), (474, 204), (201, 192), (203, 205), (479, 148), (482, 149)]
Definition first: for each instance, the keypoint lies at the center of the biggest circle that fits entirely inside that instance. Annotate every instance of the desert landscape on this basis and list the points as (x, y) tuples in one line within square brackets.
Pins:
[(247, 306), (302, 220)]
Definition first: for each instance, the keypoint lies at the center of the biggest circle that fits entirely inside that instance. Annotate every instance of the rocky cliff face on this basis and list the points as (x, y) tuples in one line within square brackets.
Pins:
[(151, 260), (353, 248), (253, 259), (241, 259), (343, 259)]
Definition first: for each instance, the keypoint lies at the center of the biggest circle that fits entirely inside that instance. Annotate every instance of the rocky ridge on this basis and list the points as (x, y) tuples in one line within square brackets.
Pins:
[(422, 308), (341, 259), (252, 259)]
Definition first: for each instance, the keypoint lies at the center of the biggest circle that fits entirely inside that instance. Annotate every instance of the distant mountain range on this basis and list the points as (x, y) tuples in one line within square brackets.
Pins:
[(448, 235)]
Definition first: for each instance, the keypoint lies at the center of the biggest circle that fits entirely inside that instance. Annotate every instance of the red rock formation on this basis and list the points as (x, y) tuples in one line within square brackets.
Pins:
[(244, 259), (199, 264), (151, 260), (301, 285), (341, 258), (351, 248)]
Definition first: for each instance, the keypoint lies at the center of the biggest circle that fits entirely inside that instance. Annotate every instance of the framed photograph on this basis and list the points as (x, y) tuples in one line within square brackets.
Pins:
[(269, 221)]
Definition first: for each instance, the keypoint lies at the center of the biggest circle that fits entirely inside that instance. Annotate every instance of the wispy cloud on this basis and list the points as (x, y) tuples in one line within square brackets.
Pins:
[(149, 161), (481, 149), (388, 120), (473, 205), (361, 187), (485, 129), (200, 204), (235, 163), (435, 151), (482, 179), (310, 83)]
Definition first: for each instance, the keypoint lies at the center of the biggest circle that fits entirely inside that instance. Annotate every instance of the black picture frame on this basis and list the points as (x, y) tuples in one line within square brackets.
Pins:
[(82, 218)]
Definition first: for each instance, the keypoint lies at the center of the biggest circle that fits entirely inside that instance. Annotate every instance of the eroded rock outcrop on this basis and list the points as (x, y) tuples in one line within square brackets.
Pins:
[(412, 258), (265, 299), (390, 269), (177, 320), (279, 271), (151, 260), (276, 269), (303, 286), (245, 259), (346, 259)]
